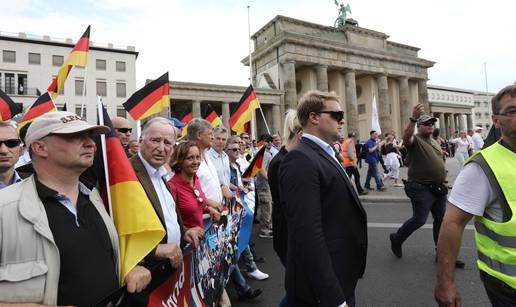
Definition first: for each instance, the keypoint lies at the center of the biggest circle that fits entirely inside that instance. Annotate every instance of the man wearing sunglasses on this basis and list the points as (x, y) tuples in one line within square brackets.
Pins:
[(123, 132), (10, 151), (485, 190), (327, 225)]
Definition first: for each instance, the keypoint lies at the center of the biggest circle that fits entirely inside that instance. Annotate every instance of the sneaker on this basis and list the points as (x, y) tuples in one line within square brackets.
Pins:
[(381, 189), (395, 246), (258, 275), (398, 185), (250, 294), (363, 193), (265, 234)]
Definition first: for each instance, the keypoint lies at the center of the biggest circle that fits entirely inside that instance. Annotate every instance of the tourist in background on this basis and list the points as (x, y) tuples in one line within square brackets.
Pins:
[(462, 146)]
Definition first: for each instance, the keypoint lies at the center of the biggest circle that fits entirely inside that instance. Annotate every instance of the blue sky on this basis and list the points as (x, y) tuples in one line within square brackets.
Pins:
[(204, 41)]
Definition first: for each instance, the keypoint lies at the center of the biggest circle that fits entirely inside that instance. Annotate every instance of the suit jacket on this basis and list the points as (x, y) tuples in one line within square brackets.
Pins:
[(145, 180), (327, 228)]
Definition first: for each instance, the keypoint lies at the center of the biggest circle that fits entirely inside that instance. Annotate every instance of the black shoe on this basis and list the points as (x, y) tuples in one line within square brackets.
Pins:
[(363, 193), (250, 294), (369, 188), (395, 246)]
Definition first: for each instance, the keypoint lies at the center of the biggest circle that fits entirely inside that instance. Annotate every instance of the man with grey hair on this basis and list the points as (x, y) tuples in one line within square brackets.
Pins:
[(156, 143), (220, 159), (10, 151)]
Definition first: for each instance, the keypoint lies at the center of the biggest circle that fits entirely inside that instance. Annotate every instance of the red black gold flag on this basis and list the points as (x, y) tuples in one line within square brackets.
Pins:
[(186, 119), (138, 226), (256, 164), (8, 108), (247, 104), (42, 105), (78, 57), (150, 99), (212, 116)]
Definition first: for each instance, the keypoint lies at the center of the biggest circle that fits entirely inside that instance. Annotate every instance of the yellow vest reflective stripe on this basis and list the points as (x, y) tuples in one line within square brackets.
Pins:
[(345, 153), (496, 241)]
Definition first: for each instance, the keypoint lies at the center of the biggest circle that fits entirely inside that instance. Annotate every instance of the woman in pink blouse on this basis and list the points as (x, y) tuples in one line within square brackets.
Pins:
[(186, 187)]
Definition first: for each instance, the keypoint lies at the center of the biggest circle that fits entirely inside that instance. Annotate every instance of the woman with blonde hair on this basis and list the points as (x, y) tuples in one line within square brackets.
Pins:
[(392, 161)]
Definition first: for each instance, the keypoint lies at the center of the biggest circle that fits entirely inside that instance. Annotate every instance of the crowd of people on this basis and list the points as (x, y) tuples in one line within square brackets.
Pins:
[(306, 193)]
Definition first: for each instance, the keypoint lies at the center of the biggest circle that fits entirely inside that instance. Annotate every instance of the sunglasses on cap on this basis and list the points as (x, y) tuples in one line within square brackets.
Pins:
[(428, 124), (124, 130), (336, 115), (11, 143)]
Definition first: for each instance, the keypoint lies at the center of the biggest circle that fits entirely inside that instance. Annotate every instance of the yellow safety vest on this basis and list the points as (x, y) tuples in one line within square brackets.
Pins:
[(496, 241)]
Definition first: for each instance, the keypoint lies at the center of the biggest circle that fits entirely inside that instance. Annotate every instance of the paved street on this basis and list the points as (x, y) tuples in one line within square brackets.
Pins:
[(388, 281)]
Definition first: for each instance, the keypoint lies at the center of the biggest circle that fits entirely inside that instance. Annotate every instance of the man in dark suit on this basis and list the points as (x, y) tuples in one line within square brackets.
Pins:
[(327, 239), (156, 143)]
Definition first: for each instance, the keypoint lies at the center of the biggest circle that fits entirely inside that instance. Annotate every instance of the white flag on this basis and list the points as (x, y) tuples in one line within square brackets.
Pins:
[(375, 122)]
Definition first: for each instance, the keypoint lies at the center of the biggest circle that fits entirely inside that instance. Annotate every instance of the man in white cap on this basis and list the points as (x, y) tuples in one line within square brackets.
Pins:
[(58, 244)]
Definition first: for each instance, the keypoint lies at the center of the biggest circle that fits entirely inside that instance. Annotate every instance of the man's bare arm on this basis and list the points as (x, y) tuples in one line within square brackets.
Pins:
[(408, 132)]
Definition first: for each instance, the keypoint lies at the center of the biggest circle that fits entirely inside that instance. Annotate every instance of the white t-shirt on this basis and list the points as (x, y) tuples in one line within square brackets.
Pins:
[(472, 193), (209, 179), (476, 142), (461, 144)]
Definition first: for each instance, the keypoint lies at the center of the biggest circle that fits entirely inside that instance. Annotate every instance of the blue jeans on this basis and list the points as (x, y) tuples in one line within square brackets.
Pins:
[(248, 259), (423, 202), (372, 171), (238, 279)]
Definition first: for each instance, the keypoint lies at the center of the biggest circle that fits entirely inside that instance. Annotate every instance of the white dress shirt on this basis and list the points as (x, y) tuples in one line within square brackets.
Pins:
[(209, 179), (168, 205), (221, 163)]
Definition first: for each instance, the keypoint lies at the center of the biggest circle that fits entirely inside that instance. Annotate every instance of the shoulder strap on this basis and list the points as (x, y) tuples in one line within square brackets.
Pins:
[(481, 161)]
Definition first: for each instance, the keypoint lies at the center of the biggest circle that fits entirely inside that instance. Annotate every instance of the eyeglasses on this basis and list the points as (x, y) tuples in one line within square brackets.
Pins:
[(11, 143), (429, 124), (336, 115), (198, 195), (510, 113), (124, 130)]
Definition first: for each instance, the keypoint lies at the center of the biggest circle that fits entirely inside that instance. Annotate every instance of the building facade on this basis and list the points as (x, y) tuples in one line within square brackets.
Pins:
[(29, 63), (296, 56), (482, 111)]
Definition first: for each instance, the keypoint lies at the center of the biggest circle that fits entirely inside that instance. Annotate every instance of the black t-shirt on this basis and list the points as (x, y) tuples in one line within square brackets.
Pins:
[(87, 264)]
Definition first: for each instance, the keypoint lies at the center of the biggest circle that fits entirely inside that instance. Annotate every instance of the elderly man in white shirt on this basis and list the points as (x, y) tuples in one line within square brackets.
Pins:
[(218, 157)]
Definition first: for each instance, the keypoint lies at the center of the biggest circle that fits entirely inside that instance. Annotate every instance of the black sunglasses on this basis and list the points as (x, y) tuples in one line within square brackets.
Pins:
[(11, 143), (336, 115), (233, 149), (428, 124), (124, 130)]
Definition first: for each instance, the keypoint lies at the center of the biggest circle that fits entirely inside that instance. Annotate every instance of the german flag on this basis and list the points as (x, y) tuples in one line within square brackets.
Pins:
[(211, 116), (138, 226), (78, 57), (186, 119), (247, 104), (8, 108), (150, 99), (256, 164), (42, 105)]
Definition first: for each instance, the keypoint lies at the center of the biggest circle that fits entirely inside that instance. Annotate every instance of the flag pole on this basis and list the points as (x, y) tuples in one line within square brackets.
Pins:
[(253, 113), (104, 153), (84, 91)]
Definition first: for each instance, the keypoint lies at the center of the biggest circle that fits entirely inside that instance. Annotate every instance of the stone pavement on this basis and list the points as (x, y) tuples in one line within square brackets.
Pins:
[(397, 194)]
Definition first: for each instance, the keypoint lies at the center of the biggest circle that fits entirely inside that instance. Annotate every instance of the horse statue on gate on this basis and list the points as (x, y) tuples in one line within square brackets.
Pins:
[(341, 19)]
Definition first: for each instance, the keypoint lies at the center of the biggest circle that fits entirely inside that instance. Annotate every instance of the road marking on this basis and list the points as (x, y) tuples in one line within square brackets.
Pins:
[(398, 225)]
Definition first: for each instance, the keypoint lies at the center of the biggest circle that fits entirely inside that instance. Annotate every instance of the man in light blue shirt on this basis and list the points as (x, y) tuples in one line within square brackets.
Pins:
[(10, 151), (218, 157)]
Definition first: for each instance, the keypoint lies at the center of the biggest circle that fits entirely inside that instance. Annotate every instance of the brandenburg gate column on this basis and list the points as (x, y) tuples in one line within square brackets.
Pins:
[(289, 84), (383, 104), (469, 120), (322, 78), (196, 108), (462, 123), (225, 114), (452, 124), (405, 109), (423, 95), (351, 102), (276, 119)]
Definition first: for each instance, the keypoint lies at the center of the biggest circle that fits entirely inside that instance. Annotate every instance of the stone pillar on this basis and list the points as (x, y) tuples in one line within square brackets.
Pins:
[(289, 84), (351, 102), (453, 127), (225, 114), (405, 107), (462, 122), (469, 120), (442, 125), (276, 119), (423, 95), (322, 78), (383, 104), (196, 108)]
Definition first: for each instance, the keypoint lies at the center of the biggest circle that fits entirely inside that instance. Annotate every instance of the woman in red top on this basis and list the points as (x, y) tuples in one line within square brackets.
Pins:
[(186, 187)]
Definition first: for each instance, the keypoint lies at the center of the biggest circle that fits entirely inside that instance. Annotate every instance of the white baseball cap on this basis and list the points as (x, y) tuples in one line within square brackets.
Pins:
[(60, 122)]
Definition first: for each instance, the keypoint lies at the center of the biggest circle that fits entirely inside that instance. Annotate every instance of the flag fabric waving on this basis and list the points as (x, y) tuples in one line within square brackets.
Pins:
[(256, 164), (242, 116), (150, 99), (78, 57), (138, 226), (8, 108), (375, 122), (42, 105), (212, 116), (186, 119)]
